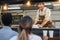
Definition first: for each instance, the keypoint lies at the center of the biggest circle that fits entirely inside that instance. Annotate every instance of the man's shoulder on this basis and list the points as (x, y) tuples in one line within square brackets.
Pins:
[(8, 31), (2, 29), (14, 32), (14, 38)]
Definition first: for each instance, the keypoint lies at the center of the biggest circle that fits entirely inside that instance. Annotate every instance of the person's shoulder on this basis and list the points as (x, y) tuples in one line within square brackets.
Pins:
[(14, 38), (14, 33), (36, 37), (2, 29)]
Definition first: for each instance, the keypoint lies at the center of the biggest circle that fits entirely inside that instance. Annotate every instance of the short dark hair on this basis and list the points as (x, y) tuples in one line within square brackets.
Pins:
[(40, 3), (7, 19)]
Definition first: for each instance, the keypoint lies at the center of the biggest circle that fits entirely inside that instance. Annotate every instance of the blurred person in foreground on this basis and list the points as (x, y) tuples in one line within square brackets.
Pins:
[(25, 30), (6, 32), (43, 18)]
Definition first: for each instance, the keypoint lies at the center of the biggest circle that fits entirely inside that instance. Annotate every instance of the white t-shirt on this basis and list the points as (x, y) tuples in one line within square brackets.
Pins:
[(46, 12), (31, 37)]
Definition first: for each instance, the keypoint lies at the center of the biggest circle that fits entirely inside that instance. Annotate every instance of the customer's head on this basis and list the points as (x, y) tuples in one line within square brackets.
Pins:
[(7, 19), (25, 28), (40, 5)]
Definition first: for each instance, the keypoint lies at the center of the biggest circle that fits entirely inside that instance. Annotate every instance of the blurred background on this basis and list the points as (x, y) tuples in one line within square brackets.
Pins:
[(20, 8)]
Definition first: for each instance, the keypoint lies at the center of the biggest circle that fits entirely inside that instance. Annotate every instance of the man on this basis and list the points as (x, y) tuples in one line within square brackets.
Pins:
[(43, 16), (6, 32)]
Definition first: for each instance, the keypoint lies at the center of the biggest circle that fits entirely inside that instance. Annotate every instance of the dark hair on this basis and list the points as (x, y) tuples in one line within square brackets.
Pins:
[(7, 19), (40, 3), (25, 28)]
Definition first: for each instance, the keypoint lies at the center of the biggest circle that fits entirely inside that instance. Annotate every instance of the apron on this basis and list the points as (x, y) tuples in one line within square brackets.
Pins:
[(48, 24)]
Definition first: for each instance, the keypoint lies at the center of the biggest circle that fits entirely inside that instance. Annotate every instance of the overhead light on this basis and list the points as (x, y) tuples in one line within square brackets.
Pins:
[(58, 1), (5, 7), (28, 3)]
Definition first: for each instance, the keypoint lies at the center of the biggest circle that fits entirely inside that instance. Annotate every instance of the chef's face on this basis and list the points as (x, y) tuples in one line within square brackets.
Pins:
[(41, 6)]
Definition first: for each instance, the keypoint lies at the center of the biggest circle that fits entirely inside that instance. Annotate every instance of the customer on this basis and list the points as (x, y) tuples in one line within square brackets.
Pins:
[(6, 32), (25, 30)]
